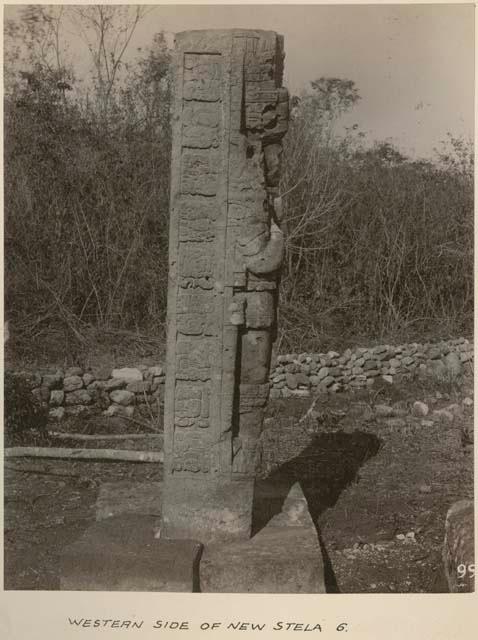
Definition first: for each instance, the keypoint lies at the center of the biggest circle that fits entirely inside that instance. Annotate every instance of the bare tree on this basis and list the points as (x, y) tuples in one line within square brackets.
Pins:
[(107, 31)]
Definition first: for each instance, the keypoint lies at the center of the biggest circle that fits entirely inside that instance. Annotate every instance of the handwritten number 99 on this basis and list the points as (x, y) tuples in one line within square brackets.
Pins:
[(463, 569)]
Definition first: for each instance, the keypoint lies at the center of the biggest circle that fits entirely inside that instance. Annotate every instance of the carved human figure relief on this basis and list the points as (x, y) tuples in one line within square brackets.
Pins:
[(230, 113)]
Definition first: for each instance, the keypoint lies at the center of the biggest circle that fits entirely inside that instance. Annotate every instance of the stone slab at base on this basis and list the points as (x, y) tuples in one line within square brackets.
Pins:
[(122, 554), (283, 557)]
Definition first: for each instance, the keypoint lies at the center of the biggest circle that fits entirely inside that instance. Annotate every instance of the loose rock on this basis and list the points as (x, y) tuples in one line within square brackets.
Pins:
[(443, 414), (119, 410), (114, 383), (58, 413), (425, 488), (383, 410), (427, 423), (73, 371), (291, 380), (78, 397), (52, 381), (72, 383), (122, 397), (138, 386), (420, 409), (88, 378), (57, 397), (127, 374)]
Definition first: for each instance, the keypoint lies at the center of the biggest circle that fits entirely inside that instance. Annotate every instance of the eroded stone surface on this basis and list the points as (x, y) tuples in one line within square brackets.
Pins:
[(283, 557), (458, 550), (226, 247), (121, 553)]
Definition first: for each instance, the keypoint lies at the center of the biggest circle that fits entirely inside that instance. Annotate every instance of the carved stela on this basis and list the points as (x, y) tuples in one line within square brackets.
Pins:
[(230, 113)]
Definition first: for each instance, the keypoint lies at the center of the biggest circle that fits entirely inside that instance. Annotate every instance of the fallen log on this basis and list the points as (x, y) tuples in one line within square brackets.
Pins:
[(85, 454), (103, 436), (41, 472)]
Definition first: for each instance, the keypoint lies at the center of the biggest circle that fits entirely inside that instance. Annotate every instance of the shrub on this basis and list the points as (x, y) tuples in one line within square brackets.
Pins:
[(379, 246), (24, 417)]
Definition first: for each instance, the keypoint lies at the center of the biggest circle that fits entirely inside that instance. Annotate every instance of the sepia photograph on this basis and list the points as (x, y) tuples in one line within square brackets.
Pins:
[(238, 301)]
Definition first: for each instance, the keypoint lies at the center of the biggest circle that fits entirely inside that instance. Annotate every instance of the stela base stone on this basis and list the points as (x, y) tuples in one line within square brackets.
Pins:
[(121, 553), (283, 557)]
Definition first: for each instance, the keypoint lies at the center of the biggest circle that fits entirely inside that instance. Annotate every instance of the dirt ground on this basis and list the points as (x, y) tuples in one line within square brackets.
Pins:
[(378, 484)]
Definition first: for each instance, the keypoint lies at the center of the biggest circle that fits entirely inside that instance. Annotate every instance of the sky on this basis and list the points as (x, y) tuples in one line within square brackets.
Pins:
[(413, 64)]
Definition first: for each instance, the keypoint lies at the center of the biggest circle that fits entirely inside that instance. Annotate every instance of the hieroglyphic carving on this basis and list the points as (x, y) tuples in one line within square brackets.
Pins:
[(226, 247), (202, 78), (195, 312), (193, 359), (192, 453), (197, 217), (201, 122), (200, 171), (196, 266), (192, 405)]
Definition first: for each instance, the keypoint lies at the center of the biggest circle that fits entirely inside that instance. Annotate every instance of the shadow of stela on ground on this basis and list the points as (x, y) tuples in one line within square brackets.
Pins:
[(323, 468)]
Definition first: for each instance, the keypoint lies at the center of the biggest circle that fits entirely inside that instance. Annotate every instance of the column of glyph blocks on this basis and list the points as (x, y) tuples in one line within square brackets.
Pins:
[(229, 115)]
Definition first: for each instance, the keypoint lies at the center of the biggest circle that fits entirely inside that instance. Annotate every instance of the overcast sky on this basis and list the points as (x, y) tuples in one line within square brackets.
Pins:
[(413, 64)]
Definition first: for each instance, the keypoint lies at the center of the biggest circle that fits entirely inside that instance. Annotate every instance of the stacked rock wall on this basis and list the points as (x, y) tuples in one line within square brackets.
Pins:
[(139, 391), (299, 374), (119, 392)]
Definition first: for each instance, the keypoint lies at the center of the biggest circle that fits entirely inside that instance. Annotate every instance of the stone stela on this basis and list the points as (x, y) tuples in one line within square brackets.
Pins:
[(226, 247)]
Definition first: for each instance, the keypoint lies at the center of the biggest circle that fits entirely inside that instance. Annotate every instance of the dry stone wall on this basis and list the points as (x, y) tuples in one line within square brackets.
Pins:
[(125, 392), (301, 374), (138, 391)]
